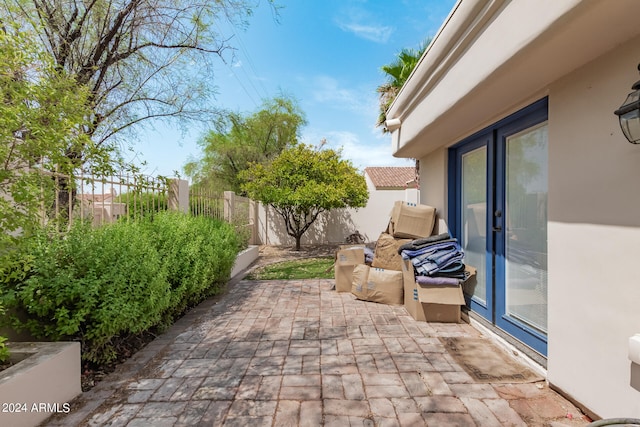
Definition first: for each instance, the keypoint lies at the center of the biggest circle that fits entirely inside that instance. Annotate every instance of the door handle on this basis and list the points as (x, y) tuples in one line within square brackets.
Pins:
[(497, 214)]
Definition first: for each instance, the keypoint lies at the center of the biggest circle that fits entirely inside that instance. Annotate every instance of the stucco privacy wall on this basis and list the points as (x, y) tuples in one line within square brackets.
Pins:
[(334, 226), (594, 235)]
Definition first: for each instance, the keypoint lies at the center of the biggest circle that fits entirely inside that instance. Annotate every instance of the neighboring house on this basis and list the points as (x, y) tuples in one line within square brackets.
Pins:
[(387, 178), (385, 184), (510, 112), (102, 208)]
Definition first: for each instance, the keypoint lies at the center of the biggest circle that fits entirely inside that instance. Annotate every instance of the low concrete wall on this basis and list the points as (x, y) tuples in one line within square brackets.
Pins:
[(42, 383), (244, 259)]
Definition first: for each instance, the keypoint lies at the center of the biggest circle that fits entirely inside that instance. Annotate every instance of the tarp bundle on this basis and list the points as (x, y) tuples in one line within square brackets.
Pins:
[(436, 257)]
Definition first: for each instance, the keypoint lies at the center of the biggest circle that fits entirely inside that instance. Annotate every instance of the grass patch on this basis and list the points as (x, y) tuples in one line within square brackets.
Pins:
[(310, 268)]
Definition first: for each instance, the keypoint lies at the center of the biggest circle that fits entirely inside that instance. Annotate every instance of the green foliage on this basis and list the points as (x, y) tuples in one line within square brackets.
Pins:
[(4, 350), (141, 204), (99, 285), (199, 253), (397, 74), (240, 140), (134, 55), (43, 111), (303, 182)]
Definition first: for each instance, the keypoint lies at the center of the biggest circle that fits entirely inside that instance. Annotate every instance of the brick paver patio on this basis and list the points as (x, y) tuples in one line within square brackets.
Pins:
[(296, 353)]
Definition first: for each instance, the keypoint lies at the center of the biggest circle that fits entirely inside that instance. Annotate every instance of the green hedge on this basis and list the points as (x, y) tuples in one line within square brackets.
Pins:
[(100, 285)]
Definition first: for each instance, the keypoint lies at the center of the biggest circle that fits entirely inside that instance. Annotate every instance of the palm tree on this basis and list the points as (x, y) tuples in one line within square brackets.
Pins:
[(397, 74)]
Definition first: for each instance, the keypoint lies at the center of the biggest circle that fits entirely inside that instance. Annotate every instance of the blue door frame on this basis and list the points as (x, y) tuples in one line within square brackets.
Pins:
[(493, 309)]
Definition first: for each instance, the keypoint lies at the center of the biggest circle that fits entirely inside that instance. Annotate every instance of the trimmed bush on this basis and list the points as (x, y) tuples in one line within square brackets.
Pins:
[(100, 285), (198, 253), (4, 350)]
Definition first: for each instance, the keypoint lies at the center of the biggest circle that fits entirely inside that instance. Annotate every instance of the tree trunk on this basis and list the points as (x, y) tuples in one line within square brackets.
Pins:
[(298, 242)]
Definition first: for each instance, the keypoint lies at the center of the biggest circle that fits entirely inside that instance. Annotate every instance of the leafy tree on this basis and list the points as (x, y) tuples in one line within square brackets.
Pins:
[(42, 113), (240, 140), (303, 182), (397, 74), (139, 59)]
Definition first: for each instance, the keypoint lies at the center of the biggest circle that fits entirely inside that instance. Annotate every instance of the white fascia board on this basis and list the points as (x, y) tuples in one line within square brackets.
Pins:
[(471, 51)]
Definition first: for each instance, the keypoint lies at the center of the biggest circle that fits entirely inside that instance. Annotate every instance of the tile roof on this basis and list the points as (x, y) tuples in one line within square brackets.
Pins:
[(390, 177)]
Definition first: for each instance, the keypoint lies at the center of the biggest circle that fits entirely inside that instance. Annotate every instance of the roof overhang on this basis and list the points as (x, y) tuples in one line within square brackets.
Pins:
[(491, 56)]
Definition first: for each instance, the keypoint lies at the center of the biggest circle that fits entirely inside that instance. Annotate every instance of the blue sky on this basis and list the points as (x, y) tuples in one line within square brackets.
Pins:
[(327, 55)]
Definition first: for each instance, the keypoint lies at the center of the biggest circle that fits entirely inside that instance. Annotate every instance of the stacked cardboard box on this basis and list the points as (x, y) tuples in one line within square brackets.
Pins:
[(386, 253), (390, 279), (438, 303), (411, 221), (346, 260), (377, 285)]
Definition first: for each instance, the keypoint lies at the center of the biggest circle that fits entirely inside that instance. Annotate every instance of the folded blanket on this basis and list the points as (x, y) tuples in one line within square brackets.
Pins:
[(444, 245), (454, 267), (456, 270), (437, 281), (432, 267), (419, 243)]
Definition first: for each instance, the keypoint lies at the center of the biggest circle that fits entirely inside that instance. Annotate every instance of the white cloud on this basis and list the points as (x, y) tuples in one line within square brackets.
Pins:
[(372, 32), (362, 154), (358, 18), (327, 90)]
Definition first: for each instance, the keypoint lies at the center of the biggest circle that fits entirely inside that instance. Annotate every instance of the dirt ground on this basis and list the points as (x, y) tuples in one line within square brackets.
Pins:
[(272, 254)]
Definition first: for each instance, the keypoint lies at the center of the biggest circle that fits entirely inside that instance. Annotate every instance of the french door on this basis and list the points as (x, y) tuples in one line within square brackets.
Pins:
[(498, 212)]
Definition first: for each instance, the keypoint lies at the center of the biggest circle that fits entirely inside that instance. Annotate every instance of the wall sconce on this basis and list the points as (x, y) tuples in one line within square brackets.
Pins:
[(629, 114)]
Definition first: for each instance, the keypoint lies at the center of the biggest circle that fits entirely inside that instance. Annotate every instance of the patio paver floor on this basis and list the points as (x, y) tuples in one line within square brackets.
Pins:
[(296, 353)]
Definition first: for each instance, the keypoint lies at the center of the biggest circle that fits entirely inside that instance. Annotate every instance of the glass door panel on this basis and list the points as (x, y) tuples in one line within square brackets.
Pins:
[(498, 210), (526, 227), (473, 237)]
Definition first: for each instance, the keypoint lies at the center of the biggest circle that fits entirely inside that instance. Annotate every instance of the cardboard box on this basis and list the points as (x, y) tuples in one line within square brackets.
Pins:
[(377, 285), (346, 260), (431, 303), (386, 254), (412, 221)]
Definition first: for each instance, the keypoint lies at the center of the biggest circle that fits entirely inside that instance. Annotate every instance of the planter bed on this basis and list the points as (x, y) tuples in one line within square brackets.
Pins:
[(43, 380)]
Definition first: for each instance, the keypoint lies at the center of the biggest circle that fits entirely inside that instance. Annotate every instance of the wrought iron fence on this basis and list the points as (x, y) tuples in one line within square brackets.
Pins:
[(106, 199), (206, 202), (102, 199)]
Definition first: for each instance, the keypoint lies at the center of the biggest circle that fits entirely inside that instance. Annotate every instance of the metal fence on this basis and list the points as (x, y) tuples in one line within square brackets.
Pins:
[(206, 202), (242, 212), (102, 199), (106, 199)]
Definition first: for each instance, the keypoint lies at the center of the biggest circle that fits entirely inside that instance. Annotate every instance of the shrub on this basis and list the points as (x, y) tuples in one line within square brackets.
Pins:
[(4, 350), (142, 204), (199, 253), (93, 285), (100, 285)]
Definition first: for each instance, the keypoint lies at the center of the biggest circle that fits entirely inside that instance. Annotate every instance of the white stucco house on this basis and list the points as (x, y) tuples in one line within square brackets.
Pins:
[(511, 114)]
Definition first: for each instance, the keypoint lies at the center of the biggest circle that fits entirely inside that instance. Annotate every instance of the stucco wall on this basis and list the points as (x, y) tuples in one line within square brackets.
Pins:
[(433, 176), (593, 236), (582, 55), (335, 226)]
